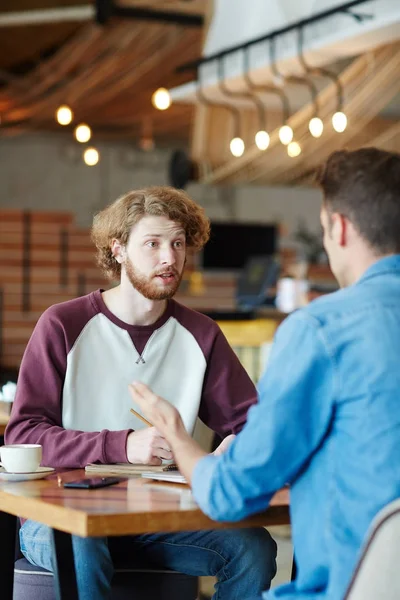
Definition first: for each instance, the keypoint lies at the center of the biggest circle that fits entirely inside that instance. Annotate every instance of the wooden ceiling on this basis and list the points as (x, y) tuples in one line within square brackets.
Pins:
[(107, 74)]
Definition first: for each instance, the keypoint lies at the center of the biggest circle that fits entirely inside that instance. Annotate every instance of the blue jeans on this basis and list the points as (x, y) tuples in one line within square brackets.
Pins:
[(243, 560)]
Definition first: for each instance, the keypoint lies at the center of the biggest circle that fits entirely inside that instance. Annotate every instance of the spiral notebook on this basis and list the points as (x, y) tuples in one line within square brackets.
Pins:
[(128, 469)]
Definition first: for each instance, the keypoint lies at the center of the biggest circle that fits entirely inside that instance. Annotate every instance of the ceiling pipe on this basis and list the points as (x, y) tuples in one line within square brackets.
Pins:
[(51, 15), (101, 11)]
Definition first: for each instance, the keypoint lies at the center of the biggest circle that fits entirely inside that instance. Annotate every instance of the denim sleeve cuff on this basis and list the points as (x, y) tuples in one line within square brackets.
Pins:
[(201, 483)]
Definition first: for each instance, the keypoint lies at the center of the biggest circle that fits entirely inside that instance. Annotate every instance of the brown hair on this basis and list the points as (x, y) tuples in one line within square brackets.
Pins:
[(117, 220), (364, 186)]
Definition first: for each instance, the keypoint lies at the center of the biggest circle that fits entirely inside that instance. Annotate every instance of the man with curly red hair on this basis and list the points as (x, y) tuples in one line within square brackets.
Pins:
[(73, 398)]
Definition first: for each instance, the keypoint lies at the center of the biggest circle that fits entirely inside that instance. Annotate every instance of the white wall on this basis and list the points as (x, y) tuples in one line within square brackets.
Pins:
[(47, 173), (325, 42), (233, 23)]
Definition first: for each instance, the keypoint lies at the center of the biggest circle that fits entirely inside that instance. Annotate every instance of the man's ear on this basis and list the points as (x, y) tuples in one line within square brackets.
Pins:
[(339, 229), (118, 251)]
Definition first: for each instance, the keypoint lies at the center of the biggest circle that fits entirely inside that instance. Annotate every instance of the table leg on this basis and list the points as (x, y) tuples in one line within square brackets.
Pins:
[(8, 528), (64, 568)]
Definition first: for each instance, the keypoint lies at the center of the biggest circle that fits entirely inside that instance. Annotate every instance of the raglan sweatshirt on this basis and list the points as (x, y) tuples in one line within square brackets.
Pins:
[(72, 392)]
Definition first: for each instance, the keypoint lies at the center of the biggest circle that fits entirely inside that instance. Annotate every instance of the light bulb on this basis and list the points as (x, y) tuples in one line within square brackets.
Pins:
[(339, 121), (316, 127), (278, 80), (285, 134), (293, 149), (161, 99), (91, 157), (262, 140), (83, 133), (64, 115), (237, 146), (146, 144)]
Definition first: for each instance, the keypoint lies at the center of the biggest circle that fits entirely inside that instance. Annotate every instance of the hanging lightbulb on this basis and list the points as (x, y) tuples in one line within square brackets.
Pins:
[(339, 121), (83, 133), (91, 157), (285, 134), (316, 127), (262, 140), (278, 80), (294, 149), (161, 99), (64, 115), (237, 146)]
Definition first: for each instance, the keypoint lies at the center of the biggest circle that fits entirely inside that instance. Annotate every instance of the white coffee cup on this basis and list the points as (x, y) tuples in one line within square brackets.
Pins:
[(21, 458), (291, 294)]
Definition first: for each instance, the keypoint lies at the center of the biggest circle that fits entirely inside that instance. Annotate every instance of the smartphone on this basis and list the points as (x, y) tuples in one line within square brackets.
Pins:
[(92, 483)]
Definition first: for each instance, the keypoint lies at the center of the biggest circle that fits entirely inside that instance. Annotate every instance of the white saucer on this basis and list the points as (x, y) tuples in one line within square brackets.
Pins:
[(38, 474)]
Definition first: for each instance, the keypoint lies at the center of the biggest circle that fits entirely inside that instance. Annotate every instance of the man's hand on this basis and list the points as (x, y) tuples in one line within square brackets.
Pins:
[(224, 445), (167, 420), (165, 417), (147, 447)]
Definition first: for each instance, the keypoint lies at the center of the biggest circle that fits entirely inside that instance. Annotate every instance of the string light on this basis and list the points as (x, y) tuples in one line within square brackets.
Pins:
[(83, 133), (262, 140), (64, 115), (161, 99), (294, 149), (285, 134), (339, 121), (316, 127), (91, 157), (237, 146)]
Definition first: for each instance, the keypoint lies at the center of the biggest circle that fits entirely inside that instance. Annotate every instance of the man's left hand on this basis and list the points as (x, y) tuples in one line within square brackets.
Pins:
[(224, 445)]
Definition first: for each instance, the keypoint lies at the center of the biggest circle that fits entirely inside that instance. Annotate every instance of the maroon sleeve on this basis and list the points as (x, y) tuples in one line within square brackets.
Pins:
[(36, 416), (228, 391)]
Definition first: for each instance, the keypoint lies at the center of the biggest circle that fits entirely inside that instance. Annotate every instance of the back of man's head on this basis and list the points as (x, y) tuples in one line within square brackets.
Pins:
[(364, 186)]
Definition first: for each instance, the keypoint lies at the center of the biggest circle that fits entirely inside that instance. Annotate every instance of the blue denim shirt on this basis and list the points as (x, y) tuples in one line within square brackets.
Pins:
[(328, 422)]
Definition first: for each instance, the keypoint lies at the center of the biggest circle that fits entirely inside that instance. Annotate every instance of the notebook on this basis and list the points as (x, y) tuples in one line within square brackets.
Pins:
[(128, 469), (171, 476)]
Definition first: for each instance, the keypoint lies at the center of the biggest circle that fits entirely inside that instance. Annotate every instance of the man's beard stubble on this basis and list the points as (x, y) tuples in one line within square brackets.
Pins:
[(147, 287)]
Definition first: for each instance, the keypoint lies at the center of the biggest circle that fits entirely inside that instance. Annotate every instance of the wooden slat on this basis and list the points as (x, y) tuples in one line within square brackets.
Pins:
[(37, 216), (18, 317), (39, 288)]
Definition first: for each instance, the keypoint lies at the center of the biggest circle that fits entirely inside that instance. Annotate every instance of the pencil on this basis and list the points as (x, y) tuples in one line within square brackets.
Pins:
[(145, 421), (171, 467)]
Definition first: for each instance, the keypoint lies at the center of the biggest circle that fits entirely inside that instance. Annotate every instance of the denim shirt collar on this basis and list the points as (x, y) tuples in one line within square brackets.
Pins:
[(388, 264)]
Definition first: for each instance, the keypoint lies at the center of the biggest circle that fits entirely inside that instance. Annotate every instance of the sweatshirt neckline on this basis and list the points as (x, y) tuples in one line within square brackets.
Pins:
[(100, 305)]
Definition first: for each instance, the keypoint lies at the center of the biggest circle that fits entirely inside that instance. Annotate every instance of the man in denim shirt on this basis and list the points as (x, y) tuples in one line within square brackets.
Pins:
[(328, 417)]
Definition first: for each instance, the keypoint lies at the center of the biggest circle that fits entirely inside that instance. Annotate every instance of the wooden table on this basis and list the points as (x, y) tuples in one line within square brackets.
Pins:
[(131, 507), (3, 422)]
